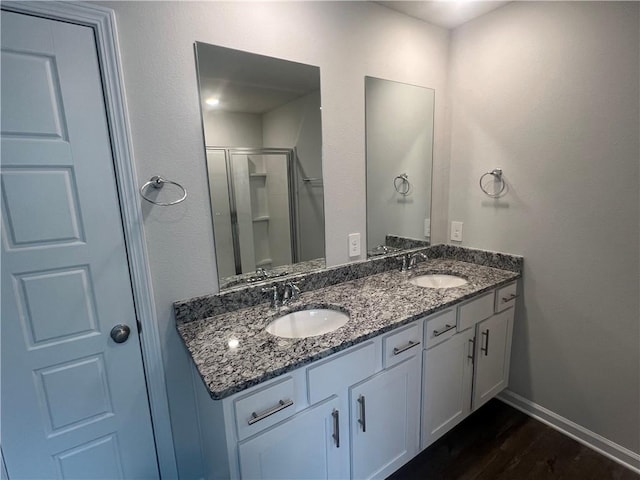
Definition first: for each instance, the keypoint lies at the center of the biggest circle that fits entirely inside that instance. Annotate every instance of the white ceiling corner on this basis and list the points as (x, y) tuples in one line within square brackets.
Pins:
[(444, 13)]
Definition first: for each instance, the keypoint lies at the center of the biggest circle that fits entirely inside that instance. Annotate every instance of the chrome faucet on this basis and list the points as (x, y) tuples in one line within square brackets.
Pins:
[(413, 259), (291, 293)]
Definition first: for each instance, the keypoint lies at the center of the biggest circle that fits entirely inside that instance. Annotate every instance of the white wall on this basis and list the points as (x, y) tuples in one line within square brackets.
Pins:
[(232, 129), (347, 40), (550, 93)]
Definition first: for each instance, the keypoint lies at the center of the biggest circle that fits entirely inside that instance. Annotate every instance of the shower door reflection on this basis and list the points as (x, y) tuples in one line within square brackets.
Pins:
[(253, 201)]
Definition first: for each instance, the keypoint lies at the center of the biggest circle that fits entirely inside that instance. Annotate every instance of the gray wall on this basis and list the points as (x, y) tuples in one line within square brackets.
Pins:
[(347, 41), (550, 93), (299, 124)]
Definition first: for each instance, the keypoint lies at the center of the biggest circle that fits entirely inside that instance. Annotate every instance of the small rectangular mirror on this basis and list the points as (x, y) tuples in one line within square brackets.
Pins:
[(263, 138), (399, 131)]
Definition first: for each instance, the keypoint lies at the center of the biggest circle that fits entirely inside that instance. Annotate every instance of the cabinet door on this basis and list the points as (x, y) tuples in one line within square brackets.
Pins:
[(447, 376), (306, 446), (385, 414), (493, 355)]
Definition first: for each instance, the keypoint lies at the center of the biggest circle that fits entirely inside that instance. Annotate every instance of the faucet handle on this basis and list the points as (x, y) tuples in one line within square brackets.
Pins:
[(291, 292), (273, 291), (295, 290), (405, 262)]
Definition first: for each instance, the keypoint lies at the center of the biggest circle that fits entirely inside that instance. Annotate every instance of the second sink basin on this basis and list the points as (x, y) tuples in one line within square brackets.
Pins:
[(438, 280), (307, 323)]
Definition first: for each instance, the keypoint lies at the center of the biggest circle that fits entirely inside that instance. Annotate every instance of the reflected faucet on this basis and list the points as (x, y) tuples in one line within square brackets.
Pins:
[(261, 273)]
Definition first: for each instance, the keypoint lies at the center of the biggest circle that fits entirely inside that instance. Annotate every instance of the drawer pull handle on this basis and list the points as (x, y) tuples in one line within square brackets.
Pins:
[(336, 427), (256, 417), (363, 416), (399, 350), (509, 298), (445, 329), (485, 349)]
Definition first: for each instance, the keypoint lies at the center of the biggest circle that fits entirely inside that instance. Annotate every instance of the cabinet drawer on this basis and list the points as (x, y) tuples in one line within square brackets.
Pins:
[(439, 327), (475, 311), (401, 345), (506, 297), (336, 374), (264, 407)]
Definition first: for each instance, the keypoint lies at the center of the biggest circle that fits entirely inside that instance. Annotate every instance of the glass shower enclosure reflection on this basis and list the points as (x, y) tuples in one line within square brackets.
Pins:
[(254, 207)]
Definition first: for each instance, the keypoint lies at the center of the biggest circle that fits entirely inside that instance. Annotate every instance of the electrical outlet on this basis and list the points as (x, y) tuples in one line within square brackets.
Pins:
[(354, 244), (427, 227), (456, 231)]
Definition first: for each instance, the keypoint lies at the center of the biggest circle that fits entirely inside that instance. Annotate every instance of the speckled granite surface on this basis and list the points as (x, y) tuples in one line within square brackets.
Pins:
[(376, 303), (244, 296)]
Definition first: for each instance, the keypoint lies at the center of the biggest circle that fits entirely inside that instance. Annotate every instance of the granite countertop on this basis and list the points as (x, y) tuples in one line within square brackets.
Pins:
[(233, 351)]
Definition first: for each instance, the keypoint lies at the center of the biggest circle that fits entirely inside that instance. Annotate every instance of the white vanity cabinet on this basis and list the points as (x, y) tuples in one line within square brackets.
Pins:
[(365, 411), (468, 368), (385, 419), (493, 355), (385, 409), (447, 379), (305, 446)]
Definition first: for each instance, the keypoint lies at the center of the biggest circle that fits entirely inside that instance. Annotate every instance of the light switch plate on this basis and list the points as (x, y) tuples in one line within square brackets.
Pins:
[(354, 244), (456, 231)]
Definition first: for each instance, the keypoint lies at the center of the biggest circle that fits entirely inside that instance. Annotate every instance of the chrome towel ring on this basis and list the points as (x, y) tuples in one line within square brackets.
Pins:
[(401, 184), (158, 182), (496, 173)]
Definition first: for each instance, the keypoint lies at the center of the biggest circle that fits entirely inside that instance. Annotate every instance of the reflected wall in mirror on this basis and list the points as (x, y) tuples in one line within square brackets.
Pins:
[(262, 127), (399, 131)]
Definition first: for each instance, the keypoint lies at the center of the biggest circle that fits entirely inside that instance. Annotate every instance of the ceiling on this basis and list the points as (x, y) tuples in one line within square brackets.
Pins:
[(249, 83), (445, 13)]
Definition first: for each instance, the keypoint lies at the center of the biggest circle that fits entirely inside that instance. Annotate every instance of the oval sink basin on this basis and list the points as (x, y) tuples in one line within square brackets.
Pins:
[(307, 323), (438, 280)]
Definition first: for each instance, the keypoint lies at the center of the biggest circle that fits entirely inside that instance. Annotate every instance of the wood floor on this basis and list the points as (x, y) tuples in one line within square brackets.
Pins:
[(500, 443)]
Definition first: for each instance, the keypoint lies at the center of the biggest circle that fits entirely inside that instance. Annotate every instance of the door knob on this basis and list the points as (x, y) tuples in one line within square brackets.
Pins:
[(120, 333)]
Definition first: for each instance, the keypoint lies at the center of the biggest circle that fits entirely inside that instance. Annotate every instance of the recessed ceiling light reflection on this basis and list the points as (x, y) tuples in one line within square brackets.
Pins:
[(233, 343), (212, 101)]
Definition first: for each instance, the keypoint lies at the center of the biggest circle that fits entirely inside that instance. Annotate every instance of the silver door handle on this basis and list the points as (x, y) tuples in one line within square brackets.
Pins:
[(363, 416), (256, 417), (120, 333), (472, 341), (336, 427), (445, 329), (485, 349), (509, 298), (399, 350)]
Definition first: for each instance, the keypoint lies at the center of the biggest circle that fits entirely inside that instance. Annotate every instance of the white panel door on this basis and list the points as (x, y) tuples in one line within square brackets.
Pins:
[(74, 402), (385, 420)]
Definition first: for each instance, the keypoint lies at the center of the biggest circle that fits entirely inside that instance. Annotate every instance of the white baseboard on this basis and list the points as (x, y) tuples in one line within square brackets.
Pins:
[(615, 452)]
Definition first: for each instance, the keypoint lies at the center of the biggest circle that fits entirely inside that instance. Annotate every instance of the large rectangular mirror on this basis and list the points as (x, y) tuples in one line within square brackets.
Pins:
[(399, 130), (263, 138)]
